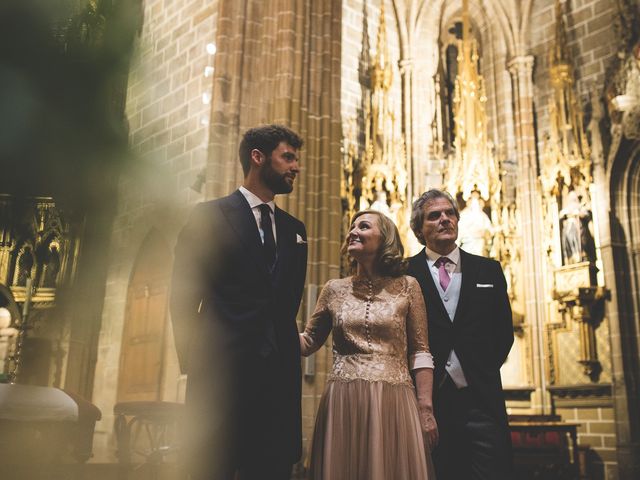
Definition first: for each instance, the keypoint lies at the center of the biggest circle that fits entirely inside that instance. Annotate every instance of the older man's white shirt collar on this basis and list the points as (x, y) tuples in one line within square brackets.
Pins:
[(254, 200), (432, 256)]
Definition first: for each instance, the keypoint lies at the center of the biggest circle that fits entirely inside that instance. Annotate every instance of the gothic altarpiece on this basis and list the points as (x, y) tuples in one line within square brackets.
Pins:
[(376, 174), (37, 256)]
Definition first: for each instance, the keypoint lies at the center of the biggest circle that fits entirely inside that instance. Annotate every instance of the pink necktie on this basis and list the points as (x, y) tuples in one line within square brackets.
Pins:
[(443, 275)]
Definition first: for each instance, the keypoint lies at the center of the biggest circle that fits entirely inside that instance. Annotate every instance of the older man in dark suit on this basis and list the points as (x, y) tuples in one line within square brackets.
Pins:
[(470, 335), (239, 274)]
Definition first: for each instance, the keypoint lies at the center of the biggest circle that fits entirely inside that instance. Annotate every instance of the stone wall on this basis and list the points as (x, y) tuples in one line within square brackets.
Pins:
[(597, 431)]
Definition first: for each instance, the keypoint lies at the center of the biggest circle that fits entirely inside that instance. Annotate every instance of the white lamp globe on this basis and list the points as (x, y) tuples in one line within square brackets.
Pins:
[(5, 318)]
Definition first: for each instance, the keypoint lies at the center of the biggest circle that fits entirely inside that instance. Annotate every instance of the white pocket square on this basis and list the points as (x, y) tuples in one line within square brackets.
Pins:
[(484, 285), (299, 239)]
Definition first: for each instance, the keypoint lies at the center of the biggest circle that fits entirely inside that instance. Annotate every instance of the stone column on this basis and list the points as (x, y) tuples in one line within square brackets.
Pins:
[(528, 196), (406, 74)]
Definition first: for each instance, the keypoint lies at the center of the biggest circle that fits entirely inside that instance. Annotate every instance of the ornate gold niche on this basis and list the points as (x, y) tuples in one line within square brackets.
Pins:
[(37, 256), (473, 170), (566, 181), (377, 177), (473, 167)]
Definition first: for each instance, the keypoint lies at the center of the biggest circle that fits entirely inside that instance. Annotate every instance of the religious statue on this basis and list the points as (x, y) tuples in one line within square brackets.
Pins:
[(475, 226), (380, 203), (577, 241)]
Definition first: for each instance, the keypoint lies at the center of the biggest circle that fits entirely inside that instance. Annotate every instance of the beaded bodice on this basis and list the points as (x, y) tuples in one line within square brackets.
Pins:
[(377, 325)]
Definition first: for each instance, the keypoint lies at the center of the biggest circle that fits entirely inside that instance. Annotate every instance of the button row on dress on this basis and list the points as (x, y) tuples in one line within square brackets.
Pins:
[(366, 315)]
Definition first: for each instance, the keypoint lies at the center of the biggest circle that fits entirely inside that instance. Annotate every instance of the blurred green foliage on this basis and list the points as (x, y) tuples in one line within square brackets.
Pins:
[(63, 75)]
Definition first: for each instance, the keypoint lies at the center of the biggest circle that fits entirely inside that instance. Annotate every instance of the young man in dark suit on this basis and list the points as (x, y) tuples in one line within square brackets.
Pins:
[(239, 273), (470, 335)]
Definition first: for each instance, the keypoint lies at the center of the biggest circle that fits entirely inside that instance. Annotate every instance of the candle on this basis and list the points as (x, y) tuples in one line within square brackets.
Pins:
[(27, 299)]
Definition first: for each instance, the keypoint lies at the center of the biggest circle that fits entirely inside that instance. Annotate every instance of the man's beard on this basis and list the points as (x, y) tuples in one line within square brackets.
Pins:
[(276, 182)]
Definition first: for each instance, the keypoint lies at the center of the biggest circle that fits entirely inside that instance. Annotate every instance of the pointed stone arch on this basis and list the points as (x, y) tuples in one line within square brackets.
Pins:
[(625, 207), (144, 338), (25, 265), (622, 274)]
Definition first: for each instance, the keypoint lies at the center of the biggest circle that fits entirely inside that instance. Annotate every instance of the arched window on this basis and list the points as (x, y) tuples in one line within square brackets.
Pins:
[(24, 266)]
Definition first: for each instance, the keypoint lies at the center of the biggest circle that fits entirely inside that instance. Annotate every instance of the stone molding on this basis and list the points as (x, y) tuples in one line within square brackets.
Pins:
[(581, 395)]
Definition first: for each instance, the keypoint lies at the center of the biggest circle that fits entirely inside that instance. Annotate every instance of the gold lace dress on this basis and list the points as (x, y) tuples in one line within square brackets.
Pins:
[(367, 426)]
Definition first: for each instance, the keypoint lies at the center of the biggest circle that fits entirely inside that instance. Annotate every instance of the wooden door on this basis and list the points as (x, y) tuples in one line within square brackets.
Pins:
[(145, 324)]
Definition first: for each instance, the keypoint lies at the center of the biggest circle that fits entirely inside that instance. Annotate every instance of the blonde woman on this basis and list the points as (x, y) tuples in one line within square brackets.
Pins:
[(372, 422)]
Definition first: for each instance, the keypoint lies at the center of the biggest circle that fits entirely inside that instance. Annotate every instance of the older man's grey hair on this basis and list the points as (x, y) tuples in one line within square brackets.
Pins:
[(417, 211)]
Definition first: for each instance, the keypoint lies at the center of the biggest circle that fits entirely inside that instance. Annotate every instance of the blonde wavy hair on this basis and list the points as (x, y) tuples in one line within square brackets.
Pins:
[(390, 260)]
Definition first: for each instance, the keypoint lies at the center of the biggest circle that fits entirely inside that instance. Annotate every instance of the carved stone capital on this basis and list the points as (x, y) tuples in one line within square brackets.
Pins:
[(631, 123), (521, 66), (405, 65)]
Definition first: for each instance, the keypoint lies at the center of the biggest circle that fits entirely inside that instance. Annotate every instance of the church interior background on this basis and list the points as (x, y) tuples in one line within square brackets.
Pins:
[(118, 116)]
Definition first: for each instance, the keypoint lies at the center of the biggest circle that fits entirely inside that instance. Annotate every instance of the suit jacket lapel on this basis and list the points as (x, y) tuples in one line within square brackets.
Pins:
[(425, 279), (469, 275), (241, 219)]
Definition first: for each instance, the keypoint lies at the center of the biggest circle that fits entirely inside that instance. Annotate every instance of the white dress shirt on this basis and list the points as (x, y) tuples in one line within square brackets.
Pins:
[(254, 202)]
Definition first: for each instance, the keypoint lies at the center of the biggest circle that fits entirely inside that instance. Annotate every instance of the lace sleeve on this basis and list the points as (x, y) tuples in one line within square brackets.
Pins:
[(417, 336), (319, 325)]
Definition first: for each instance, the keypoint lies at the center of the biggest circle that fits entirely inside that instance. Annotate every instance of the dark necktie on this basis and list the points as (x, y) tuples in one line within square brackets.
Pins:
[(269, 245), (443, 275)]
